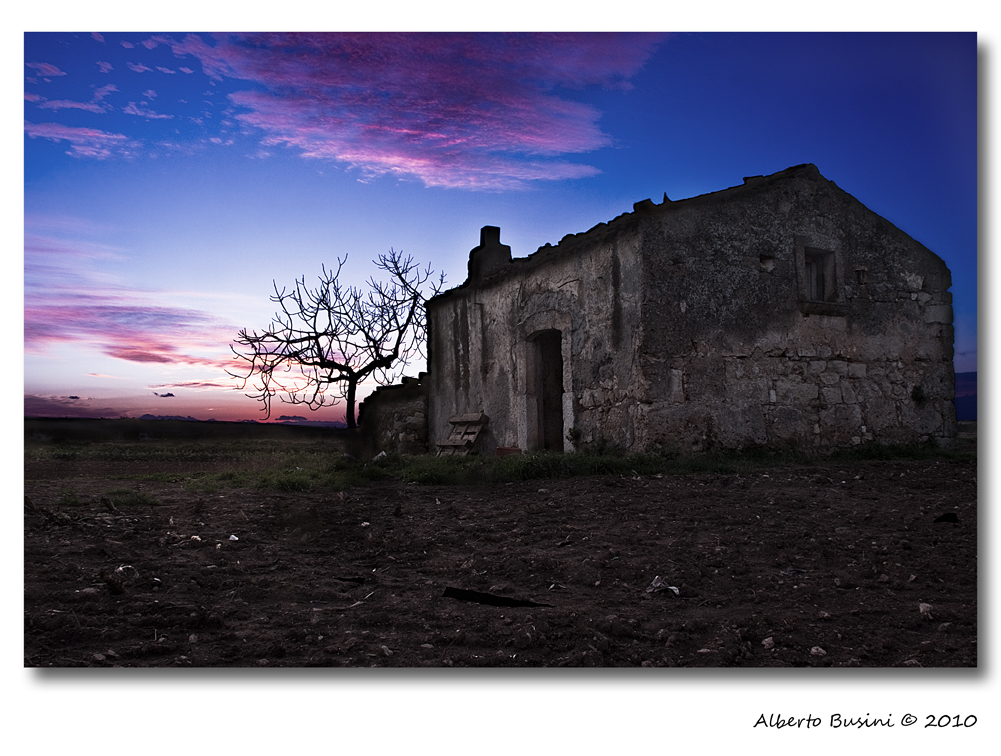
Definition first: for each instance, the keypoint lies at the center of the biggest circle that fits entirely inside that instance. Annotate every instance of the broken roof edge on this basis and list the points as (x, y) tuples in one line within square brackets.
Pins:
[(641, 209)]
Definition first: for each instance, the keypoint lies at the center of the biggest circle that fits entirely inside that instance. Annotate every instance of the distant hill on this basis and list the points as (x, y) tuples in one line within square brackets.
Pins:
[(966, 397)]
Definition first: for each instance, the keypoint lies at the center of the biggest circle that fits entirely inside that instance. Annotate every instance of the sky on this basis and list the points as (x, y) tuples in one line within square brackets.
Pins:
[(171, 179)]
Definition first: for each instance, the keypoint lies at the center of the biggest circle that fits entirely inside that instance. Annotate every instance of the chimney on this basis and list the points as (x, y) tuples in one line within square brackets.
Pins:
[(488, 258)]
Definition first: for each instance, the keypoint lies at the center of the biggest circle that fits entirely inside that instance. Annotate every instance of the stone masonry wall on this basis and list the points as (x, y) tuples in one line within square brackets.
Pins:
[(394, 418), (698, 324)]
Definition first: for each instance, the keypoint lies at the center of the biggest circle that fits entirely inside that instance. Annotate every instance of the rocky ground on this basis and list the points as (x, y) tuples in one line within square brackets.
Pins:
[(820, 566)]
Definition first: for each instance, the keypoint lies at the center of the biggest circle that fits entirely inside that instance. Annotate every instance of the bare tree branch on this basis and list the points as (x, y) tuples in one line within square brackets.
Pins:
[(324, 341)]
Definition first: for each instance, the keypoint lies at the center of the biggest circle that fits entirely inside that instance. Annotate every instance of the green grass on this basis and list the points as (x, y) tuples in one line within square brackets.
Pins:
[(298, 467), (127, 497)]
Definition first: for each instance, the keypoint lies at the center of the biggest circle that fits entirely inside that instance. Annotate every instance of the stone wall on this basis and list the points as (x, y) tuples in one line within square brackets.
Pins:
[(394, 418), (781, 313)]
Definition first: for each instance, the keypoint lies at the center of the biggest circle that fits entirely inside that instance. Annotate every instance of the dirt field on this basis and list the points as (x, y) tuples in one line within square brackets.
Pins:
[(820, 566)]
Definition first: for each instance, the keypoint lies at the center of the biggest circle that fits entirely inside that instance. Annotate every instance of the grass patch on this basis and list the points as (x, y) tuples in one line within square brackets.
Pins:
[(128, 497), (296, 467), (70, 499)]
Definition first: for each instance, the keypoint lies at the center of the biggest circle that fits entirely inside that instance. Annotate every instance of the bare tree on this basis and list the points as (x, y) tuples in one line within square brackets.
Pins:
[(326, 340)]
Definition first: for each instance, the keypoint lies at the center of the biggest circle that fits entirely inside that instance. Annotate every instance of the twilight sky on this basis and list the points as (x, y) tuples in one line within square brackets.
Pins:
[(169, 178)]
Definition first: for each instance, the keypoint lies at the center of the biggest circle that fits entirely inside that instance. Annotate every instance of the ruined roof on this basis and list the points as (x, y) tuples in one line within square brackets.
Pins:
[(641, 210)]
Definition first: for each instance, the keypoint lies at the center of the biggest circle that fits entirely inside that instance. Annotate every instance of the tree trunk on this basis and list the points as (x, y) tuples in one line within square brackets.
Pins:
[(349, 415)]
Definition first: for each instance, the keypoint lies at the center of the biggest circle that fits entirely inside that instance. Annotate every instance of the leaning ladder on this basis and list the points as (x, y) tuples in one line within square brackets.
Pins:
[(465, 430)]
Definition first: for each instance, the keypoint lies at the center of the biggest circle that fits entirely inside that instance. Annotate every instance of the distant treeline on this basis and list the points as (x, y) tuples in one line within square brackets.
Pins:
[(60, 429)]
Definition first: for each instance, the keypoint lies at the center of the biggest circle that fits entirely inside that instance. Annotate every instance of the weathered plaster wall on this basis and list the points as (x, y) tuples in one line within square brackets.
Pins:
[(482, 356), (687, 325)]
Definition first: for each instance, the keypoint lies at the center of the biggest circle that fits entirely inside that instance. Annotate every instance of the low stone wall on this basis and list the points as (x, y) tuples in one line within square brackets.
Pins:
[(394, 418)]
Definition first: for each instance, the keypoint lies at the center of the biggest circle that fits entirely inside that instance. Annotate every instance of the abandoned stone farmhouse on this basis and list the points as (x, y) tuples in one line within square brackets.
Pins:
[(781, 313)]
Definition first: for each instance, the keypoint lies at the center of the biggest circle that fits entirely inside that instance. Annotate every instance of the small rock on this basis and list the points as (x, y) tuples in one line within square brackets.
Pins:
[(926, 610), (912, 663), (945, 627), (824, 615), (884, 578), (192, 638), (386, 651), (426, 645), (817, 651), (768, 643), (99, 657)]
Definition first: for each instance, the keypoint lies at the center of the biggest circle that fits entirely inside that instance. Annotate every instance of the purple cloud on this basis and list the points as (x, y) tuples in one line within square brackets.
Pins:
[(64, 406), (84, 142), (458, 110), (201, 384), (161, 69), (138, 67), (98, 36), (94, 106), (105, 66), (64, 303), (46, 69), (133, 109)]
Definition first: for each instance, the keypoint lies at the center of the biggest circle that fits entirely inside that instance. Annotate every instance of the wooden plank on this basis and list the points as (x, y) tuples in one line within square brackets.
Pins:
[(465, 430), (474, 417)]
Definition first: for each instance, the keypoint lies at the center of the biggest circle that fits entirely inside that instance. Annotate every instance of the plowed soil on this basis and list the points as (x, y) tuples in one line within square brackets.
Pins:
[(821, 566)]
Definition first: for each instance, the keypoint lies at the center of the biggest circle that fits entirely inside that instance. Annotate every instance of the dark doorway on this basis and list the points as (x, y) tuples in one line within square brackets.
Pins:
[(549, 388)]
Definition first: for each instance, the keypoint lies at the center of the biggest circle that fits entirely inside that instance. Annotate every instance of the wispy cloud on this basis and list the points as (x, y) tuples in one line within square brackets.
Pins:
[(65, 302), (204, 384), (460, 110), (46, 69), (83, 142), (133, 109), (96, 104), (104, 66)]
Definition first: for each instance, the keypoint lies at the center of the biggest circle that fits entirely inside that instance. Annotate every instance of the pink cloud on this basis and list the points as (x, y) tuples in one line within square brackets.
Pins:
[(105, 66), (98, 36), (460, 110), (133, 109), (64, 303), (46, 69), (161, 69), (84, 142), (138, 67), (94, 106)]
